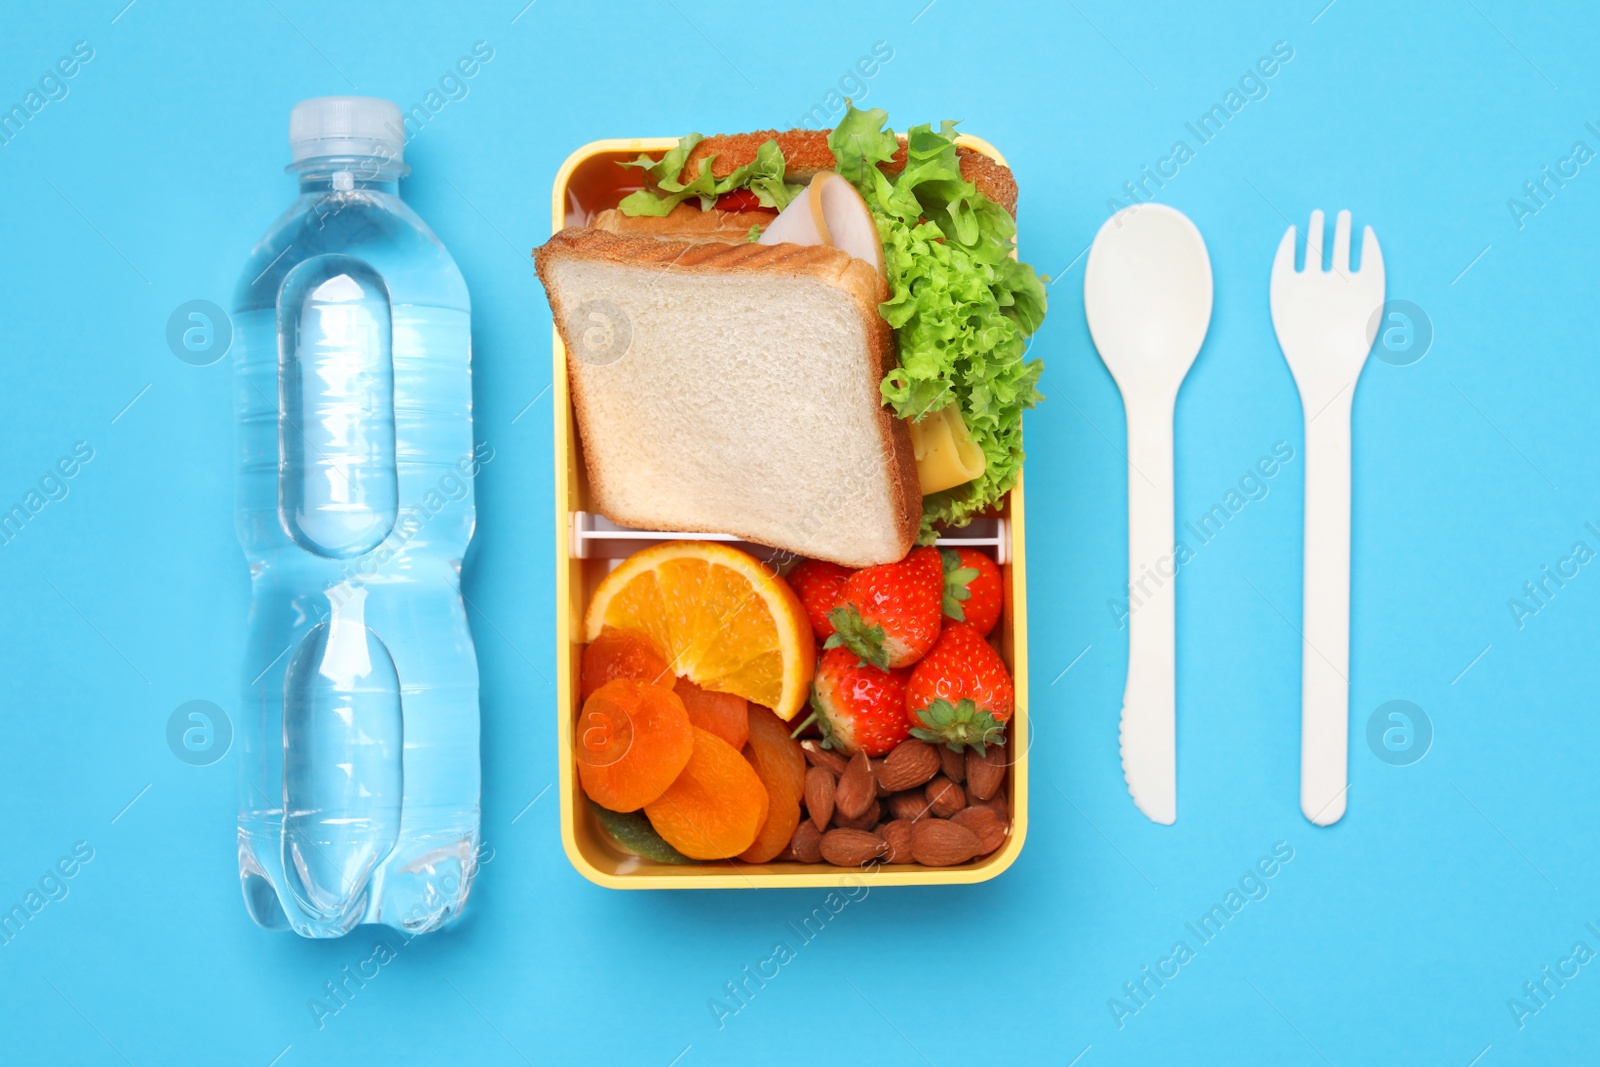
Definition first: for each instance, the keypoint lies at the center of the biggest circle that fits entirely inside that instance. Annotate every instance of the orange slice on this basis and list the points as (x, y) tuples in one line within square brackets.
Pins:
[(722, 619)]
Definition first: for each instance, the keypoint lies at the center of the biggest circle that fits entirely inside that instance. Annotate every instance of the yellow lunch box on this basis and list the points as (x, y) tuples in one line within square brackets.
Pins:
[(587, 547)]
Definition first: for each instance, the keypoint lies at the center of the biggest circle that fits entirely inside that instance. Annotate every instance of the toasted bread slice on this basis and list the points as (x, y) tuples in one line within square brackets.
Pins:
[(687, 223), (733, 388), (805, 152)]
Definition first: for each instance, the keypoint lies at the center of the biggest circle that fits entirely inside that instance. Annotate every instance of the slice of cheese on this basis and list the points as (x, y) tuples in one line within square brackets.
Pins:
[(946, 456)]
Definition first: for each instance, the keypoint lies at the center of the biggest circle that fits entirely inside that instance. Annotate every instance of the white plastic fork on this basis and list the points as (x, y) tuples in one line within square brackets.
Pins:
[(1326, 321)]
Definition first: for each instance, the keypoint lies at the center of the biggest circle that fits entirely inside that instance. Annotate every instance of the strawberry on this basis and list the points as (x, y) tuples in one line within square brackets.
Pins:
[(960, 694), (973, 591), (858, 707), (889, 615), (818, 583)]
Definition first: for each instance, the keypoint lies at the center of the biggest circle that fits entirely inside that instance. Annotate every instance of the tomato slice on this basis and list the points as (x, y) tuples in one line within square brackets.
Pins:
[(738, 200)]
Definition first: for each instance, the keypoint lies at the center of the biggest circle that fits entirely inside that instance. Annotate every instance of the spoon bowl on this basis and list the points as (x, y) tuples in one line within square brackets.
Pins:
[(1147, 294)]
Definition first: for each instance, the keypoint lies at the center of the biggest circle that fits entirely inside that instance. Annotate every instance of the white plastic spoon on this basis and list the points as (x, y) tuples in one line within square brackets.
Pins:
[(1147, 295)]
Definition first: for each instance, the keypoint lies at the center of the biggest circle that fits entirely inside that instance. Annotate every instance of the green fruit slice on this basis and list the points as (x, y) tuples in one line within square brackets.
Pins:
[(634, 833)]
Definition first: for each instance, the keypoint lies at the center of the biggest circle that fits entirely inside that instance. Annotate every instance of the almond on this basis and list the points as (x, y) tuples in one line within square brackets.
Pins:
[(996, 804), (865, 821), (945, 797), (856, 790), (984, 822), (825, 758), (877, 776), (852, 848), (985, 772), (909, 806), (939, 843), (806, 844), (898, 835), (908, 765), (819, 796), (953, 763)]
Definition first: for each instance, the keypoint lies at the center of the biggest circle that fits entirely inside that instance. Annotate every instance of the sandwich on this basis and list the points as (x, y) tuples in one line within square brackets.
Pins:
[(812, 340)]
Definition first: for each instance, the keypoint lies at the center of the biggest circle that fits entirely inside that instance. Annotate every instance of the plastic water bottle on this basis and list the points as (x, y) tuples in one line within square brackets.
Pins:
[(359, 773)]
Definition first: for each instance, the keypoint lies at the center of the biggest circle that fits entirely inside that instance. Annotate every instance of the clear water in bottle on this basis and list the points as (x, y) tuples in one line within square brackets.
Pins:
[(359, 771)]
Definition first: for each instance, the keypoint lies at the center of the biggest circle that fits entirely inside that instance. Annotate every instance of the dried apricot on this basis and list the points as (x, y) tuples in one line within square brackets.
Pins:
[(724, 714), (618, 653), (782, 767), (715, 807), (632, 741)]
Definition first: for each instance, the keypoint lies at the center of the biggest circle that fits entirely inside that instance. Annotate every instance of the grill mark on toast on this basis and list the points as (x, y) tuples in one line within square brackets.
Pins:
[(686, 222), (818, 261)]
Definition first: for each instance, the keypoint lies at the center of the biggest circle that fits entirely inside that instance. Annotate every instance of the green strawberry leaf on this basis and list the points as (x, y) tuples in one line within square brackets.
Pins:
[(825, 727), (958, 727), (816, 714), (824, 723), (956, 581), (865, 639)]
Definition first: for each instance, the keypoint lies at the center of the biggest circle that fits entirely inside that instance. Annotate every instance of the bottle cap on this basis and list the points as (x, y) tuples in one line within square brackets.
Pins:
[(347, 126)]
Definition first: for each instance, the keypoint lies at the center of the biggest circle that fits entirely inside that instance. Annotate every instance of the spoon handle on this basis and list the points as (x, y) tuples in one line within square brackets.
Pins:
[(1325, 645), (1148, 733)]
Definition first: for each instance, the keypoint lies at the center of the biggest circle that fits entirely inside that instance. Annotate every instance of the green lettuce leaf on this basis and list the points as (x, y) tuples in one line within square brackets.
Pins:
[(860, 143), (762, 176), (962, 309)]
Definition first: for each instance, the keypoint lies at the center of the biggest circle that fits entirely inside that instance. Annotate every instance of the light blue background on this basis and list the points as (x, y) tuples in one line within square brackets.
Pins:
[(1395, 937)]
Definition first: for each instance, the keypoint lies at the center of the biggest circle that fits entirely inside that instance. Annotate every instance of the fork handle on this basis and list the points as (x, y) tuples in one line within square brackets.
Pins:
[(1325, 644)]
